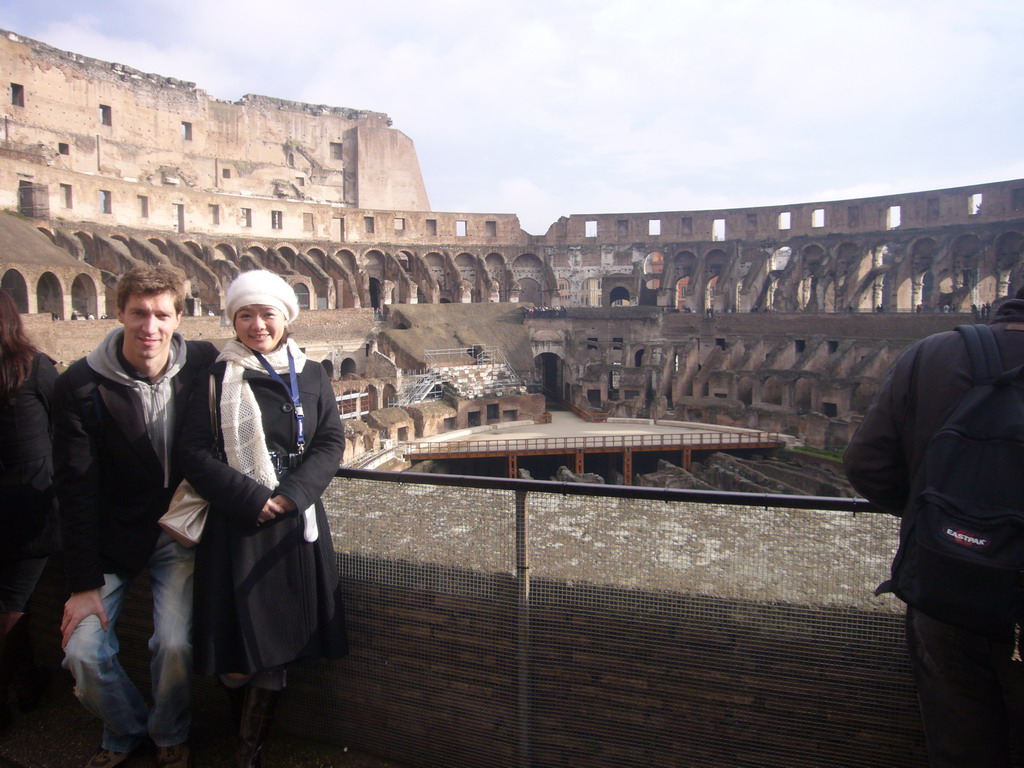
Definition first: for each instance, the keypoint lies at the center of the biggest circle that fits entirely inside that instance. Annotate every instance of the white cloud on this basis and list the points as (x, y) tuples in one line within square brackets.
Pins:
[(549, 107)]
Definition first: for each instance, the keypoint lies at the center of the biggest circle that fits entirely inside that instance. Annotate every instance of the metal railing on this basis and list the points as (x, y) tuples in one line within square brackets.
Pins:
[(417, 388), (569, 444), (500, 622)]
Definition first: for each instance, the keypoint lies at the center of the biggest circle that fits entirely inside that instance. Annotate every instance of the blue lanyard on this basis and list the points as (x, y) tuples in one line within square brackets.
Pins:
[(294, 391)]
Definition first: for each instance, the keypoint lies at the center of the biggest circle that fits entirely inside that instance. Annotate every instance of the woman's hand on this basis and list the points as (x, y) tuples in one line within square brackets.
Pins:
[(275, 506)]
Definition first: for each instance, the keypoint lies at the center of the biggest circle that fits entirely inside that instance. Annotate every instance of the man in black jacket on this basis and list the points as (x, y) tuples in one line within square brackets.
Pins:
[(116, 413), (970, 691)]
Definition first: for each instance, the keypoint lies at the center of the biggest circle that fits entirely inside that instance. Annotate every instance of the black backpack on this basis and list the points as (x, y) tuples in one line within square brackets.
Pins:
[(961, 553)]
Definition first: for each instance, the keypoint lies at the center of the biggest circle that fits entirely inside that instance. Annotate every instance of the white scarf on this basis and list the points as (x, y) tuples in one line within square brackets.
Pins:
[(241, 422)]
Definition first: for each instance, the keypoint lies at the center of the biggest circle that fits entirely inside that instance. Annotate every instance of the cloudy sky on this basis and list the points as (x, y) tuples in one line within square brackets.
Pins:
[(546, 108)]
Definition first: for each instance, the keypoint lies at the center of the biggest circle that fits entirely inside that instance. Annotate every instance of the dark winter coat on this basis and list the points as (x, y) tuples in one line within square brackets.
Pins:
[(111, 483), (925, 382), (264, 596), (28, 505)]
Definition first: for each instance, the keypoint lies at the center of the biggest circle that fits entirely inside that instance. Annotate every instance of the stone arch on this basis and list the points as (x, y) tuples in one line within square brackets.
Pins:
[(225, 271), (105, 259), (851, 290), (886, 284), (49, 233), (562, 287), (348, 260), (745, 390), (287, 252), (436, 268), (528, 267), (194, 249), (803, 394), (13, 282), (225, 251), (620, 297), (50, 295), (810, 285), (253, 257), (773, 391), (160, 245), (965, 271), (681, 292), (714, 271), (318, 257), (84, 296), (348, 366), (922, 260), (376, 292), (684, 266), (276, 261), (495, 264), (1009, 257), (405, 261), (465, 263), (375, 269), (863, 396), (302, 293), (530, 292), (497, 274), (550, 373), (318, 282), (652, 270)]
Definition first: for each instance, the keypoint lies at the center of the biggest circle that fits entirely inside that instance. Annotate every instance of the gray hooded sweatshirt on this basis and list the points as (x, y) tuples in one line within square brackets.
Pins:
[(156, 399)]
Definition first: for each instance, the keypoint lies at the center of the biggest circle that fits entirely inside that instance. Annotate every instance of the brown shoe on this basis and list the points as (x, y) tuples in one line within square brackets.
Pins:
[(105, 758), (174, 756)]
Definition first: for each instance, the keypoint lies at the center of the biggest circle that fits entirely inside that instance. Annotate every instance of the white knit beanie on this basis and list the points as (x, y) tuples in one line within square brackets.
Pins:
[(260, 287)]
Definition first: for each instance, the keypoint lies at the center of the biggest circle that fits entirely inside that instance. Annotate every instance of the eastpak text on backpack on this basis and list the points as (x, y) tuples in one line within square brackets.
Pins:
[(961, 553)]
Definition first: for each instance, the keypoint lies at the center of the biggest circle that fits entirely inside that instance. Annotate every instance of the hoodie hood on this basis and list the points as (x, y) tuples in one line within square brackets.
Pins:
[(156, 399)]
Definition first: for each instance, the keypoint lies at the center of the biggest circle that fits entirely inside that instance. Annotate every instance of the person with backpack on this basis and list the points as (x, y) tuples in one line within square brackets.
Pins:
[(116, 414), (942, 446)]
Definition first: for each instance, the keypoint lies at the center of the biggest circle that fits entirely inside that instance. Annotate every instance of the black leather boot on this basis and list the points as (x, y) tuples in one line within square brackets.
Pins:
[(236, 697), (257, 713)]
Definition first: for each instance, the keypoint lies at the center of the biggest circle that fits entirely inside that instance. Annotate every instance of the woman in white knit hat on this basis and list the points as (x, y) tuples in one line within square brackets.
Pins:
[(266, 579)]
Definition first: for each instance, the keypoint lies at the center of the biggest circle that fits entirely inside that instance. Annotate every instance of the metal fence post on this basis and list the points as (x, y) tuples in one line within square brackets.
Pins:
[(523, 625)]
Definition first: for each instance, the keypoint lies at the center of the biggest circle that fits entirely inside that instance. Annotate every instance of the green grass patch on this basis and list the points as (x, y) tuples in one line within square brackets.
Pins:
[(819, 453)]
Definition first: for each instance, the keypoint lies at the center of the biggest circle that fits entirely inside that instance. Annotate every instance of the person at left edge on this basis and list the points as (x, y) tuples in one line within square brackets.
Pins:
[(28, 507), (116, 415)]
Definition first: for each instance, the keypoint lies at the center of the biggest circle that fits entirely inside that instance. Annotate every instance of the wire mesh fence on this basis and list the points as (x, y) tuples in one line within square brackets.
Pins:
[(500, 623), (493, 626)]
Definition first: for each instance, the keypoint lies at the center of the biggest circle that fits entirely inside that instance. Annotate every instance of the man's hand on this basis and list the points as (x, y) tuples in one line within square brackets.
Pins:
[(77, 607)]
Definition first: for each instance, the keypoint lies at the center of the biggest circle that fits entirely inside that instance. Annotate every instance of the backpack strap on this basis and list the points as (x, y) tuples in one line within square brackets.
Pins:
[(986, 362)]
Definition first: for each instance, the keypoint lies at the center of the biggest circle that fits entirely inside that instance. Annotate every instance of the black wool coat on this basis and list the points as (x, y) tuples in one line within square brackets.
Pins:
[(28, 504), (109, 480), (264, 596)]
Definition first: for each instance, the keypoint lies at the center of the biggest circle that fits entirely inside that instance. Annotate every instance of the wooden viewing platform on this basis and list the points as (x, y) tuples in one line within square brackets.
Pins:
[(685, 443)]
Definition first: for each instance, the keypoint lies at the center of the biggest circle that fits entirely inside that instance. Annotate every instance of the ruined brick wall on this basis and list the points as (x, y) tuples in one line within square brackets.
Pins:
[(93, 125)]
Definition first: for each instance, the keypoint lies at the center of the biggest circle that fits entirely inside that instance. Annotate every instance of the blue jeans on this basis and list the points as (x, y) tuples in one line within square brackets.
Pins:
[(101, 683)]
